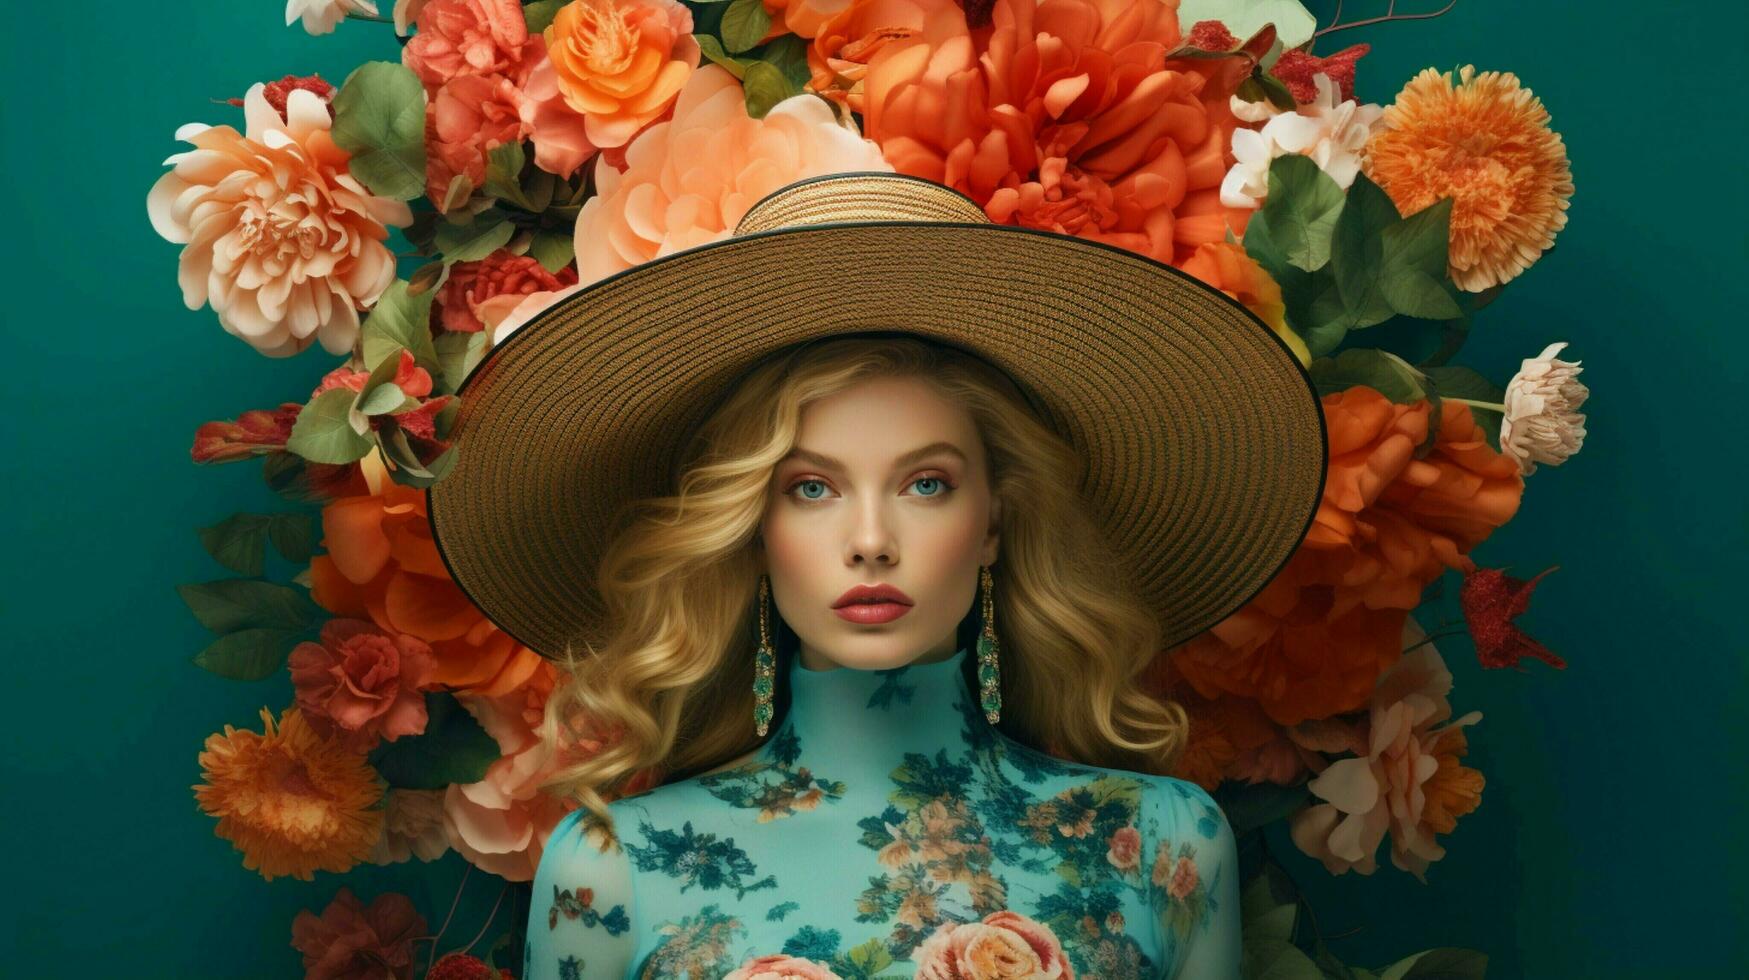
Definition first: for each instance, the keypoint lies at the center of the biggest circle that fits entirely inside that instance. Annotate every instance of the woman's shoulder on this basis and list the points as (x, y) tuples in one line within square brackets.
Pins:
[(581, 908)]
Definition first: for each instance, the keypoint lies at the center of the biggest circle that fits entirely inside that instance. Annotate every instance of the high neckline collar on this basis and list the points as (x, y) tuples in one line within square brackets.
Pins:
[(844, 714)]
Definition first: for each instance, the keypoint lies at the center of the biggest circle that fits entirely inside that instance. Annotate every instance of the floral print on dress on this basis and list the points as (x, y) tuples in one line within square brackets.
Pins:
[(695, 948), (697, 859), (777, 788), (578, 906)]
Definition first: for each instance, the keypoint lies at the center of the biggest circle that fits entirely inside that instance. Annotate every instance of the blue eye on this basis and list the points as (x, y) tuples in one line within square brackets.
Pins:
[(805, 485), (929, 486)]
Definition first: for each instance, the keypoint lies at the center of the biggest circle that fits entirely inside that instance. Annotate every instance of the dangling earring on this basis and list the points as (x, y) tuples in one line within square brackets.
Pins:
[(989, 671), (764, 662)]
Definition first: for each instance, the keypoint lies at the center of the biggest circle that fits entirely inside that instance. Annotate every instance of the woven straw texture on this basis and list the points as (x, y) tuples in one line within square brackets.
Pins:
[(1203, 437)]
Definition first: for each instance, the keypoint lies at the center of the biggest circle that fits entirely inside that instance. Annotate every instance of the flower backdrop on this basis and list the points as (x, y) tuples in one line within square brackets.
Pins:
[(505, 154)]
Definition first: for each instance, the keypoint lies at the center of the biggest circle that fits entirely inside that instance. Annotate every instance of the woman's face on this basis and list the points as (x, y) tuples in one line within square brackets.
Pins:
[(888, 488)]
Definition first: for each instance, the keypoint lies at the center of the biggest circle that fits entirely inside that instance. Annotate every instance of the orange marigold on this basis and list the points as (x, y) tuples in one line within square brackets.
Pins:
[(1314, 641), (291, 802), (1485, 143)]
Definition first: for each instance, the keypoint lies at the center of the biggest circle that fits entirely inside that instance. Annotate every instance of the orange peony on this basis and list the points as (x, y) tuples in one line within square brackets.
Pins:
[(802, 18), (1065, 116), (1316, 638), (383, 565), (620, 63), (689, 179), (1485, 143), (1225, 266), (291, 802)]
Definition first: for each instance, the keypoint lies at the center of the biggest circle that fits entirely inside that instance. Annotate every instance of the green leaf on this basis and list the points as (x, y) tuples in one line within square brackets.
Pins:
[(1444, 963), (452, 749), (249, 654), (228, 605), (744, 24), (1414, 280), (457, 353), (1276, 959), (385, 399), (1357, 250), (461, 187), (1382, 371), (1293, 22), (765, 87), (379, 118), (539, 14), (238, 542), (789, 54), (400, 319), (475, 239), (504, 164), (553, 249), (323, 432), (1301, 211), (713, 50), (292, 537)]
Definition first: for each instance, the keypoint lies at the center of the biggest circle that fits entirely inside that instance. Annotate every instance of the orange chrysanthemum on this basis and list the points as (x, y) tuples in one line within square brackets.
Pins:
[(382, 565), (1486, 144), (291, 802), (1313, 643)]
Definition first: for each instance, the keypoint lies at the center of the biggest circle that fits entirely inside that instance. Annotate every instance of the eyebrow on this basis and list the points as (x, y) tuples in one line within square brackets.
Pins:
[(821, 459)]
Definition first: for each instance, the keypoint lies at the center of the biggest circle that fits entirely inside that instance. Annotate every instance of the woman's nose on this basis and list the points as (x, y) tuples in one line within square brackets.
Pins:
[(871, 539)]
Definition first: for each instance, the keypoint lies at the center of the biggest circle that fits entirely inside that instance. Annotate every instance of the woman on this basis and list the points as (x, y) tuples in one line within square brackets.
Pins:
[(923, 499)]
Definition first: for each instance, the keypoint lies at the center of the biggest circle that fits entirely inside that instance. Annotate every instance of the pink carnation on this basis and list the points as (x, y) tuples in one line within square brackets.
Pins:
[(500, 279), (470, 37), (362, 683)]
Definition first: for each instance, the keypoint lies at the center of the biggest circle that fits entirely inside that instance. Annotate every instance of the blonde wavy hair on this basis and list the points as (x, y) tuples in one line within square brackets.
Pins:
[(669, 692)]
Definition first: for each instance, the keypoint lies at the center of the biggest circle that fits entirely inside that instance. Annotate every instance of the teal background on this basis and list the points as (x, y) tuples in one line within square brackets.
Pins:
[(1602, 847)]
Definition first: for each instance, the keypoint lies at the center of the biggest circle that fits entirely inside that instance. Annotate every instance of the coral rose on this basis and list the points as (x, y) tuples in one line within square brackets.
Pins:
[(1408, 781), (1065, 116), (502, 822), (1314, 641), (1227, 267), (501, 279), (689, 179), (620, 63), (469, 116), (382, 565), (279, 237), (361, 684), (1125, 849), (780, 967), (1005, 946), (348, 941), (470, 37)]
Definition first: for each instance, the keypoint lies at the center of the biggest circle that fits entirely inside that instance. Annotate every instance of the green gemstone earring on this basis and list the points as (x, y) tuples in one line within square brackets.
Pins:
[(764, 662), (989, 671)]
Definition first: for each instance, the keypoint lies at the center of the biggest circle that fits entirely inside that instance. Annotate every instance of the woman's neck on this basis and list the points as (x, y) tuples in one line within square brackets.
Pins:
[(845, 718)]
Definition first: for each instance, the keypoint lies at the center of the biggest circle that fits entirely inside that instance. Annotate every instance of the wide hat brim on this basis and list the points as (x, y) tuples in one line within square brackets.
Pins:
[(1202, 433)]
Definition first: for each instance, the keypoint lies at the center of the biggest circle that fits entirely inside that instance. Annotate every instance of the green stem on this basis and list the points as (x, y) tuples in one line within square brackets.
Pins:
[(1491, 406), (353, 15)]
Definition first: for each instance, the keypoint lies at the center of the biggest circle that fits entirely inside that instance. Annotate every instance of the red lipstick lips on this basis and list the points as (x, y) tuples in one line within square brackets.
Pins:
[(872, 604)]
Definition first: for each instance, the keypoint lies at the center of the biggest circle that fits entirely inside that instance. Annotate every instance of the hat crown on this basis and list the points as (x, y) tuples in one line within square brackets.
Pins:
[(858, 196)]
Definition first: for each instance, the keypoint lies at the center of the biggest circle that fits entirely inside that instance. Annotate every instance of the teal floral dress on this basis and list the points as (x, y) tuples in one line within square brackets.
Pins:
[(887, 830)]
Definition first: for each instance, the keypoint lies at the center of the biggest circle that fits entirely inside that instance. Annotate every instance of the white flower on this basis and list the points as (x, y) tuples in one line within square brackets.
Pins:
[(406, 12), (1543, 423), (1332, 133), (320, 16)]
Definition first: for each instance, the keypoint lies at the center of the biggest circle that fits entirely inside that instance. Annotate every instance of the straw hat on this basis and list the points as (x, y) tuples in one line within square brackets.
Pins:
[(1202, 434)]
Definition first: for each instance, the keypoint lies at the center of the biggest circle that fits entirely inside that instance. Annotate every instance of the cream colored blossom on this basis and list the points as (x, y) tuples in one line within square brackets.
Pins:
[(320, 16), (1332, 133), (412, 826), (406, 12), (279, 237), (1543, 423)]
